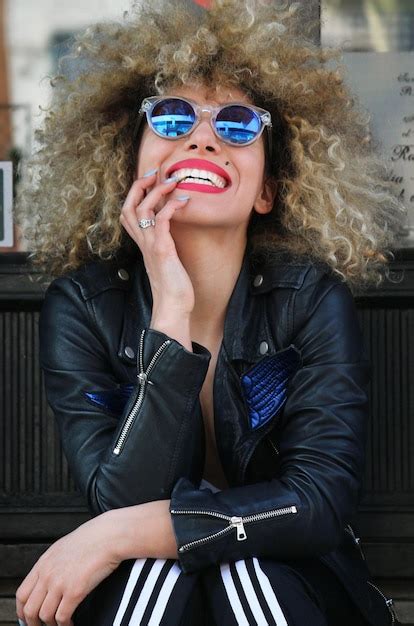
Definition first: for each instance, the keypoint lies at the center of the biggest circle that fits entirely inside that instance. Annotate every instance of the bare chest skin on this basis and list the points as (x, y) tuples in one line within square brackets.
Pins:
[(213, 471)]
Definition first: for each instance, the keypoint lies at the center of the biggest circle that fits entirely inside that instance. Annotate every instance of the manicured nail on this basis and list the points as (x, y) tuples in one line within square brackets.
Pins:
[(170, 179), (151, 172), (183, 198), (21, 622)]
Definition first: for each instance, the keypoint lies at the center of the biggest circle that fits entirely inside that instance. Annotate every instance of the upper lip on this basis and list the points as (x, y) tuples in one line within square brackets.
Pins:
[(199, 164)]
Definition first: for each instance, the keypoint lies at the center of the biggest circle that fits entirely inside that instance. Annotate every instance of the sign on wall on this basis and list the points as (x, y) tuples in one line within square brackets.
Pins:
[(378, 43), (385, 84)]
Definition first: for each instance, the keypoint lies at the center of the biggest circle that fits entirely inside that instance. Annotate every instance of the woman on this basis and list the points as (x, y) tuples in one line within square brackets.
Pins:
[(252, 203)]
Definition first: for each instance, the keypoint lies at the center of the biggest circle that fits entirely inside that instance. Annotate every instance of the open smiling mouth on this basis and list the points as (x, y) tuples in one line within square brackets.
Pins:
[(200, 180)]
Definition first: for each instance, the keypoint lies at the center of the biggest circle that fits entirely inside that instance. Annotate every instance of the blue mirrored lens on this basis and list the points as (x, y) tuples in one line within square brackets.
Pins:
[(238, 124), (172, 118)]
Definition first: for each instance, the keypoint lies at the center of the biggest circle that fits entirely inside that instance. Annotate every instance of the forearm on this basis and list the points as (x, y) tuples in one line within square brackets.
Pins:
[(143, 531), (160, 436), (177, 327)]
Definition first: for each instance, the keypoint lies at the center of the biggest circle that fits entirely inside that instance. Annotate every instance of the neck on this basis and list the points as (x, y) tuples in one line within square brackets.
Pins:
[(213, 262)]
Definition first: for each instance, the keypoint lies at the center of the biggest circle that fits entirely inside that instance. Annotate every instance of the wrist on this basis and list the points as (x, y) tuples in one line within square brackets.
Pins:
[(115, 520), (143, 531), (177, 328)]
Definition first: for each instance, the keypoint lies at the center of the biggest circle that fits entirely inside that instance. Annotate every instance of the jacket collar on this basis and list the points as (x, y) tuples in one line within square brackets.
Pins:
[(246, 323)]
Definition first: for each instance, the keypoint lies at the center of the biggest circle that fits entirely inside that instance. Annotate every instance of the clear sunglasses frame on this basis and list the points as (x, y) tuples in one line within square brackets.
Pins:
[(150, 102)]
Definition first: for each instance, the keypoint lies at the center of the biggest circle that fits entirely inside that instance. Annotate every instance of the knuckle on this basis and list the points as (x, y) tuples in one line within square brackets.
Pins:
[(20, 596), (162, 216), (75, 594), (137, 184), (29, 612), (45, 616), (61, 616), (125, 211)]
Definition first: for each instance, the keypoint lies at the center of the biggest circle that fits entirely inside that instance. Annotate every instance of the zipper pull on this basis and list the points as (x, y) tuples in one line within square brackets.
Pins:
[(238, 523), (357, 541), (390, 605), (143, 378)]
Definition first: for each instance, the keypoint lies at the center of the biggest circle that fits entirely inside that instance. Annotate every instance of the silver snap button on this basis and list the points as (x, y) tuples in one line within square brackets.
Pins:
[(129, 352), (258, 280), (264, 347), (123, 274)]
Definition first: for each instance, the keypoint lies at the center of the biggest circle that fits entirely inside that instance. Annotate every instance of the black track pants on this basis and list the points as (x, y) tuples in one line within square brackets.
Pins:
[(247, 592)]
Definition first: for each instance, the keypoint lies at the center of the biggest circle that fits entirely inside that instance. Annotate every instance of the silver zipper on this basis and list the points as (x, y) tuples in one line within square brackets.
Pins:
[(356, 539), (273, 446), (143, 381), (388, 601), (234, 522)]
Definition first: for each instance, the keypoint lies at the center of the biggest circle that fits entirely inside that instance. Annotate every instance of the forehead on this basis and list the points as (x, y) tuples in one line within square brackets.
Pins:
[(220, 94)]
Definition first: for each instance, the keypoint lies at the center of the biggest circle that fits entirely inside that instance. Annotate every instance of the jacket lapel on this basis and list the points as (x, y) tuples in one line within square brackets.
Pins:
[(250, 342)]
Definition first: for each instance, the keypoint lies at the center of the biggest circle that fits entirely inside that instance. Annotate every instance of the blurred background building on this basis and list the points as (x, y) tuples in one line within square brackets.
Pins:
[(33, 36)]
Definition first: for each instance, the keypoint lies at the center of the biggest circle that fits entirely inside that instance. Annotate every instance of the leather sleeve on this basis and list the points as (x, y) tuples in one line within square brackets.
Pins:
[(303, 511), (75, 359)]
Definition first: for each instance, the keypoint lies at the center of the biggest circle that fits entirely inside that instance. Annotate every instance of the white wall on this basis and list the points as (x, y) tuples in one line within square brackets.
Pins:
[(30, 27)]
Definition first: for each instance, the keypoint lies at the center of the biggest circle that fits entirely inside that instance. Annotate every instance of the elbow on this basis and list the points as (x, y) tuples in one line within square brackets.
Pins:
[(327, 536), (324, 527), (104, 496), (101, 498)]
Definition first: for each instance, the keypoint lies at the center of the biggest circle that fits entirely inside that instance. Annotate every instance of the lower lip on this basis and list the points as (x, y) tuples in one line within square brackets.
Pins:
[(202, 188)]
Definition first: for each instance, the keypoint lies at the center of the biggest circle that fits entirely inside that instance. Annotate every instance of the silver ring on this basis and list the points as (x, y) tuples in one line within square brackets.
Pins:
[(145, 222)]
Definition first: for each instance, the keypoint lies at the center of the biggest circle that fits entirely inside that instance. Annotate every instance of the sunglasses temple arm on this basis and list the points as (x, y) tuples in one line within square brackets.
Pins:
[(269, 143), (137, 127)]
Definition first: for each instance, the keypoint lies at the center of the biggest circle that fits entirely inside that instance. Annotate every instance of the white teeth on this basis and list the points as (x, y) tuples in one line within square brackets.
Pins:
[(199, 181), (202, 176)]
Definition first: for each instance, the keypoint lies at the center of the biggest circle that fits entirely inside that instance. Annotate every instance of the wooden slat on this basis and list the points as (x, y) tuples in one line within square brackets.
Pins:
[(31, 458)]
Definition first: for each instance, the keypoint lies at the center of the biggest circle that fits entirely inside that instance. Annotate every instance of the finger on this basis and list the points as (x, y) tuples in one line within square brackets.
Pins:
[(141, 190), (128, 228), (139, 187), (66, 608), (135, 231), (32, 606), (24, 590), (162, 222), (153, 198), (148, 206), (49, 607)]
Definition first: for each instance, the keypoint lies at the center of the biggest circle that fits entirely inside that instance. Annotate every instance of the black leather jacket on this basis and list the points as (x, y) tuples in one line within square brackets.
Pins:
[(290, 404)]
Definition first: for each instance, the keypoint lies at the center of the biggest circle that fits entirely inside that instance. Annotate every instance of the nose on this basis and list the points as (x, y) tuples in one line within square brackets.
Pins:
[(203, 139)]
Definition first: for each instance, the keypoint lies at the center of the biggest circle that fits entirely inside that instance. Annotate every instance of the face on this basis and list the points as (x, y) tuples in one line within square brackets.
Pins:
[(242, 167)]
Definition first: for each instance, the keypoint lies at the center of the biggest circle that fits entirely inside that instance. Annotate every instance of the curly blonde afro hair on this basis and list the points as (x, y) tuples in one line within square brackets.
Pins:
[(334, 202)]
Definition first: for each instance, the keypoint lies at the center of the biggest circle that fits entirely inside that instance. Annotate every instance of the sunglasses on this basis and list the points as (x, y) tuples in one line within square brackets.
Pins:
[(237, 124)]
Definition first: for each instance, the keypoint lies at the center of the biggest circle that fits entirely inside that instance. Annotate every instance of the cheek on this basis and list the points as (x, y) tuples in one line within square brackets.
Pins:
[(151, 153), (251, 169)]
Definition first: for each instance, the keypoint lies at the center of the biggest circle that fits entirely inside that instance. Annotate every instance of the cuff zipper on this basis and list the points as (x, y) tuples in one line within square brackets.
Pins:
[(234, 522), (143, 380), (388, 601)]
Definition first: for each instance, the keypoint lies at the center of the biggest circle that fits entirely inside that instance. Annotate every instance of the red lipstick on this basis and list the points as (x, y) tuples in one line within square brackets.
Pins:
[(200, 164)]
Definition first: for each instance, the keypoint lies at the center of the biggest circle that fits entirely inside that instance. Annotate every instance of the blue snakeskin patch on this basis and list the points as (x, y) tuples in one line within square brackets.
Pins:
[(113, 400), (265, 384)]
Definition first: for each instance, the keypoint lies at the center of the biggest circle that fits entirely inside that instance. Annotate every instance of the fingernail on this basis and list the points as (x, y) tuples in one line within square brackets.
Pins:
[(150, 172), (183, 198), (21, 622), (170, 179)]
